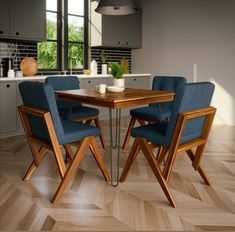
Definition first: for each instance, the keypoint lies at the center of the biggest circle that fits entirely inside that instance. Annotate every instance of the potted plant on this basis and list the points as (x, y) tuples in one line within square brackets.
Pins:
[(104, 66), (117, 72)]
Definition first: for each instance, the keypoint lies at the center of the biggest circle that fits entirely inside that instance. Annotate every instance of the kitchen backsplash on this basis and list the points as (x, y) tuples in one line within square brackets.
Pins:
[(113, 55), (19, 50)]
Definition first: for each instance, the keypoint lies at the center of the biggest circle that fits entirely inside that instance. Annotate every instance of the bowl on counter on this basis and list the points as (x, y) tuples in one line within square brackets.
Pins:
[(86, 71)]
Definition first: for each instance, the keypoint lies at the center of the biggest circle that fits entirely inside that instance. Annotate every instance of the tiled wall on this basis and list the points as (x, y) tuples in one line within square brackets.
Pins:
[(19, 50), (113, 55)]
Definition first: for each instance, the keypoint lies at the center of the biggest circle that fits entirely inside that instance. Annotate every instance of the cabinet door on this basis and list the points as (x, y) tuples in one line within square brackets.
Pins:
[(28, 19), (138, 82), (122, 31), (4, 18), (115, 31), (8, 107)]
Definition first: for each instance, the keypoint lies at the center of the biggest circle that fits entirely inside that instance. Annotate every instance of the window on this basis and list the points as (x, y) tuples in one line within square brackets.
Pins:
[(66, 38)]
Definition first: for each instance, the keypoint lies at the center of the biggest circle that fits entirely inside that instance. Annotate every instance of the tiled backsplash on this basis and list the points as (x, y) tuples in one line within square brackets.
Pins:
[(113, 55), (19, 50)]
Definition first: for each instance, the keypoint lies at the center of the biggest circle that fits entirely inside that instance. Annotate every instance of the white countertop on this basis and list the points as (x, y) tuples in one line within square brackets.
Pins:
[(4, 79)]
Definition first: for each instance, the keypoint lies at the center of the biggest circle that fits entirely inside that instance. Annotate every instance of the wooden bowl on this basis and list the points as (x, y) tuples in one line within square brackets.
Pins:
[(86, 71), (29, 66)]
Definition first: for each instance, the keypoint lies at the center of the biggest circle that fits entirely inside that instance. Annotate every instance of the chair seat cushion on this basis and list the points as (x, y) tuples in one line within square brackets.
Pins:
[(150, 113), (78, 112), (74, 131), (154, 133), (61, 104)]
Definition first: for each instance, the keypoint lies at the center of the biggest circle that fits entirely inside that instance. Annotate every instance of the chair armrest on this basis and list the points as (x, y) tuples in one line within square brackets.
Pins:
[(31, 110)]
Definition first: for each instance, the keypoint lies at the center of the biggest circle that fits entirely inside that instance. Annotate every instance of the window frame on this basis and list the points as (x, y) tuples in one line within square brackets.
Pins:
[(62, 36)]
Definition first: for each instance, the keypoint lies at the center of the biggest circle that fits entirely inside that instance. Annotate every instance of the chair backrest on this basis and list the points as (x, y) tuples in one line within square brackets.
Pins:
[(41, 95), (189, 97), (168, 83), (63, 82)]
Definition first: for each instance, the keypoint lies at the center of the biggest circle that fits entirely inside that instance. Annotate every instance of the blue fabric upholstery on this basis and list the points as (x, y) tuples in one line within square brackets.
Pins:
[(150, 113), (69, 109), (64, 83), (159, 111), (40, 95), (188, 97), (78, 112)]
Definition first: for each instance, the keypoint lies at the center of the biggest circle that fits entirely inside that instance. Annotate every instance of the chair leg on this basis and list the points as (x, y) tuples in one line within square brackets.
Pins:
[(72, 168), (133, 153), (33, 166), (200, 169), (128, 133), (69, 152), (156, 169), (98, 124), (169, 163), (99, 159), (162, 155), (88, 122)]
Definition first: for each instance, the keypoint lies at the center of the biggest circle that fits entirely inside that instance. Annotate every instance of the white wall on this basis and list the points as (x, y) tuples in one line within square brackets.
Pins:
[(195, 39)]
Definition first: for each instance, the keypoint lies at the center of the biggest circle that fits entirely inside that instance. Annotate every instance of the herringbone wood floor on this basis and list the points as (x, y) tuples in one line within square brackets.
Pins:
[(91, 204)]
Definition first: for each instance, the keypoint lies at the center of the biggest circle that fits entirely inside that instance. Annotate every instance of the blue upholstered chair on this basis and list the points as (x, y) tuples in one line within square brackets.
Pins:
[(71, 110), (188, 126), (156, 112), (45, 130)]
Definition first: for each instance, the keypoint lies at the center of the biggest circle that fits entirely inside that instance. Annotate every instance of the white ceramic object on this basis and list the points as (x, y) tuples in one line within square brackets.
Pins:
[(11, 73), (115, 89), (119, 82), (101, 88), (104, 68)]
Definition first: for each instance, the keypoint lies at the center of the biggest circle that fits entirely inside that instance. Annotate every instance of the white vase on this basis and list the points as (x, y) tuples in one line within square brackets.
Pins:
[(119, 82), (104, 68)]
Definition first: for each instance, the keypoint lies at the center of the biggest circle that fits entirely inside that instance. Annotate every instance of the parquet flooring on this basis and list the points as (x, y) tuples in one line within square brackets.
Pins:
[(91, 204)]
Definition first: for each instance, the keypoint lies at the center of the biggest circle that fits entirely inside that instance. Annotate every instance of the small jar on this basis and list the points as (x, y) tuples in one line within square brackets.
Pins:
[(11, 73)]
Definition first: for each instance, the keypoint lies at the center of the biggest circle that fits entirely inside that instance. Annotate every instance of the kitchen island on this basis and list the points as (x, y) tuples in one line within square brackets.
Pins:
[(10, 99)]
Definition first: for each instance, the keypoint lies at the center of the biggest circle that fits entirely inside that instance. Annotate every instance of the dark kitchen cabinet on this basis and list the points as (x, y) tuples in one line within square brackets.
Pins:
[(24, 19), (123, 31), (4, 18), (8, 108)]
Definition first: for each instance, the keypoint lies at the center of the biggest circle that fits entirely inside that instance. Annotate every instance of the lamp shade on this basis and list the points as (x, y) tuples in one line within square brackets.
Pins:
[(116, 7)]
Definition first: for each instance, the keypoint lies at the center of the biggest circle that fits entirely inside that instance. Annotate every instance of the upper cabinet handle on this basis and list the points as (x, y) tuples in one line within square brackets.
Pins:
[(1, 32), (17, 33)]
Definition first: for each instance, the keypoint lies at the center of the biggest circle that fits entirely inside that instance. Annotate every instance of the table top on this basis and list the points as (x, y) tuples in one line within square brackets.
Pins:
[(129, 97)]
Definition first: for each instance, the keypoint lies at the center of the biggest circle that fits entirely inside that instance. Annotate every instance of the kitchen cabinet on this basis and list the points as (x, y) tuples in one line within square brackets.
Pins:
[(8, 108), (4, 18), (24, 19), (124, 31), (138, 82)]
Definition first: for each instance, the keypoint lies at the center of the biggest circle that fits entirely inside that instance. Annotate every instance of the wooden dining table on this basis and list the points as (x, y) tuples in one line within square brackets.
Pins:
[(116, 100)]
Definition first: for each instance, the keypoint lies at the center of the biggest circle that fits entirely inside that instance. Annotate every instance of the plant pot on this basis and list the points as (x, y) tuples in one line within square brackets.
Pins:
[(104, 68), (119, 82)]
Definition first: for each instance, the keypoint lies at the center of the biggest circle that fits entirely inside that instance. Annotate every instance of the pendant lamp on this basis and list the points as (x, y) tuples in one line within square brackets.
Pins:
[(116, 7)]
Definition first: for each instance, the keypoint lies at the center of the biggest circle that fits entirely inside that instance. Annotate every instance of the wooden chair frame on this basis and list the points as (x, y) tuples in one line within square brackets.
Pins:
[(173, 149), (53, 145), (199, 143)]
